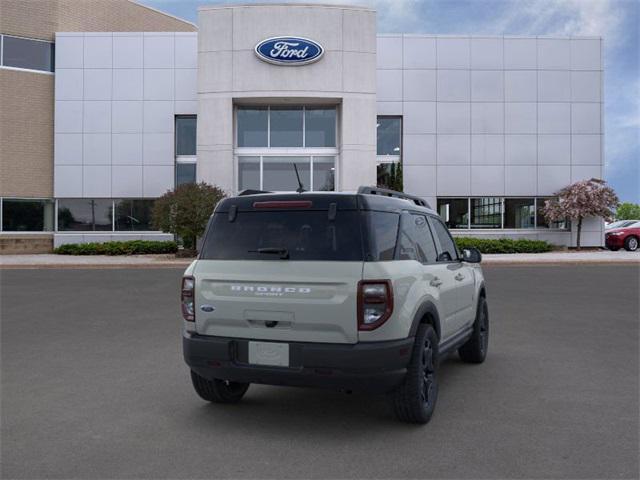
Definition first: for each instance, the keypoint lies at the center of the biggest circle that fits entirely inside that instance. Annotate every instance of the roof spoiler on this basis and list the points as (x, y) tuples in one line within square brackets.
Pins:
[(392, 193), (252, 192)]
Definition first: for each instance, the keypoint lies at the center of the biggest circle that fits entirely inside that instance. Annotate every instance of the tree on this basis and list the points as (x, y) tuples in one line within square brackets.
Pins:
[(628, 211), (185, 211), (586, 198)]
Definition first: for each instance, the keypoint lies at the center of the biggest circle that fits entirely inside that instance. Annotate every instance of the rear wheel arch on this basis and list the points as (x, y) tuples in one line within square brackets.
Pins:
[(426, 314)]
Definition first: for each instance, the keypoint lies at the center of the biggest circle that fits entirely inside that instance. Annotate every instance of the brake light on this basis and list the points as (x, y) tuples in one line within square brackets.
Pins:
[(187, 298), (375, 303), (284, 204)]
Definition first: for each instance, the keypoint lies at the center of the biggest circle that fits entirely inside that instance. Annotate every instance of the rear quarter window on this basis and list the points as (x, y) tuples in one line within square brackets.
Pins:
[(382, 235)]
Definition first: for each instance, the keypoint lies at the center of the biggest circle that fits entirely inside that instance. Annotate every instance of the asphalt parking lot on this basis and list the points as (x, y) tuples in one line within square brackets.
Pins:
[(94, 386)]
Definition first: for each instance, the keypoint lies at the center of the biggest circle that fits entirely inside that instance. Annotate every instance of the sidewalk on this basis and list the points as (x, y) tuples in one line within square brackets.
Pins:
[(169, 261), (92, 261), (570, 257)]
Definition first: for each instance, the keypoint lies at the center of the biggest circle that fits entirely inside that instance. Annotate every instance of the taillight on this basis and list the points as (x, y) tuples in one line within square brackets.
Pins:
[(375, 303), (187, 299)]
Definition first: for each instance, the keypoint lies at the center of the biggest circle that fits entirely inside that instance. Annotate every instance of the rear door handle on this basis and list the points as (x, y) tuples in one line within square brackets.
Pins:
[(436, 282), (459, 277)]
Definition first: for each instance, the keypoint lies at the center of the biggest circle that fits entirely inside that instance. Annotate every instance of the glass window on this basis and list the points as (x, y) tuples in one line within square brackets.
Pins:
[(542, 222), (416, 242), (382, 228), (186, 135), (84, 214), (324, 170), (249, 173), (305, 235), (185, 173), (279, 173), (25, 53), (454, 212), (285, 125), (133, 215), (389, 132), (253, 124), (389, 175), (26, 215), (486, 212), (424, 239), (320, 127), (519, 213), (448, 249)]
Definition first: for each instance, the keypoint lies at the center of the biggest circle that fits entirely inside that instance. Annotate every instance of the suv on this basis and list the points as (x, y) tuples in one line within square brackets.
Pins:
[(357, 291)]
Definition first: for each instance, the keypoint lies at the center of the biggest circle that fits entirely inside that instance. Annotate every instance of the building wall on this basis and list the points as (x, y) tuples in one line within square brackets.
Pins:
[(117, 95), (495, 116), (229, 72)]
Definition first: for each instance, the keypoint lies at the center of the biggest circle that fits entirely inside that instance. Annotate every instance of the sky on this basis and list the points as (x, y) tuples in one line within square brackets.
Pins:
[(617, 21)]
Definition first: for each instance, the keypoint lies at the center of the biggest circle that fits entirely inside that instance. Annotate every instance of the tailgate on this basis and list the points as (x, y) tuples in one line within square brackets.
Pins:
[(305, 301)]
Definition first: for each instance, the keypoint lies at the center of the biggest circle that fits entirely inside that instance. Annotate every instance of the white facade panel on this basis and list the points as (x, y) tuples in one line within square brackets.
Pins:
[(487, 117), (487, 53), (487, 149), (487, 85), (106, 135), (419, 85), (554, 54), (453, 117), (554, 117), (419, 149), (585, 118), (127, 51), (453, 86), (454, 149), (487, 180), (98, 52), (96, 149), (419, 52), (586, 150), (554, 149), (520, 53), (453, 52), (520, 85)]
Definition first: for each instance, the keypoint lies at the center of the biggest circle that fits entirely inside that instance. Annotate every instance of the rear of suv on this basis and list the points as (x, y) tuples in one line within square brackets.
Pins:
[(356, 292)]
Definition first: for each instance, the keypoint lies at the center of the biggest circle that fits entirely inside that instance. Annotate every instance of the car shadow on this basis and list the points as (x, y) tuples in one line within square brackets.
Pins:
[(294, 410)]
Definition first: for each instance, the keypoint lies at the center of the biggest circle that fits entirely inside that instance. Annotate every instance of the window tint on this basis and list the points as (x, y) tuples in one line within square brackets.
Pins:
[(27, 215), (486, 212), (186, 135), (83, 214), (448, 251), (133, 215), (389, 133), (320, 127), (286, 126), (185, 173), (25, 53), (306, 235), (252, 126), (519, 213), (424, 240), (249, 173), (542, 222), (415, 242), (324, 174), (279, 173), (382, 228), (454, 212)]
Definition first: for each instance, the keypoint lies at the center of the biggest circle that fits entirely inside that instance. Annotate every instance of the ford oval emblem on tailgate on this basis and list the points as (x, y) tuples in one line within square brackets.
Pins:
[(207, 308)]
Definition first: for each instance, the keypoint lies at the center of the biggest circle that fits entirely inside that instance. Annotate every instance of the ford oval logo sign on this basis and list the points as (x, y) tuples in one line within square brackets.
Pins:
[(289, 51)]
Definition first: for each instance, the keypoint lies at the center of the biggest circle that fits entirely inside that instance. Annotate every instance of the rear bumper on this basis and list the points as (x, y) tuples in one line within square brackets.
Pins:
[(370, 367)]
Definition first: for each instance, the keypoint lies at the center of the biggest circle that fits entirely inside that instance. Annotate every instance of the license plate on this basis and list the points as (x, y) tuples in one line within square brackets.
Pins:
[(269, 353)]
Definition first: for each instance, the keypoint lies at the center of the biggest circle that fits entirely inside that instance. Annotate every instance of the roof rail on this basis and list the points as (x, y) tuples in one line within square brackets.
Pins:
[(252, 192), (392, 193)]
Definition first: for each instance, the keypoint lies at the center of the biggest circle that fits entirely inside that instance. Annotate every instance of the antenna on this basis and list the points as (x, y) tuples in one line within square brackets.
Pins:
[(300, 188)]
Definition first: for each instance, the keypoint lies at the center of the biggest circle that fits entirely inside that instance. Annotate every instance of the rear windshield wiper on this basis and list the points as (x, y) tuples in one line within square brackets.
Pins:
[(283, 252)]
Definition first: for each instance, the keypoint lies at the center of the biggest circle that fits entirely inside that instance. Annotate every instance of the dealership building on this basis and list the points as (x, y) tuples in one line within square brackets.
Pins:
[(107, 105)]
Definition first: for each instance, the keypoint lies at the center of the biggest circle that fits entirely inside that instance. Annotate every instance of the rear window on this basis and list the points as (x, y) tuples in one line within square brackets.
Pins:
[(304, 235)]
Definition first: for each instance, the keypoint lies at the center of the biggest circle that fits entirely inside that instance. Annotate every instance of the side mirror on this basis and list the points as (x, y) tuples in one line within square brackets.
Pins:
[(471, 255)]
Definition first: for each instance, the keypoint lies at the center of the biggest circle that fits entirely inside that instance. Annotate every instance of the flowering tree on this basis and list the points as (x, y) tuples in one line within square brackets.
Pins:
[(586, 198), (185, 211)]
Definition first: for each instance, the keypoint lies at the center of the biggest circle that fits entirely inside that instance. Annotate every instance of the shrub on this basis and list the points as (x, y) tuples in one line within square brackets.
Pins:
[(504, 245), (132, 247)]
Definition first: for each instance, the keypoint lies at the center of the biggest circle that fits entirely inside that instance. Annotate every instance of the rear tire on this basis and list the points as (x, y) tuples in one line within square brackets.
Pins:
[(475, 349), (218, 391), (631, 244), (414, 401)]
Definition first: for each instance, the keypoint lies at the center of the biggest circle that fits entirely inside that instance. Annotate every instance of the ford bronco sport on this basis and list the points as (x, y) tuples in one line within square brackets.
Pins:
[(357, 291)]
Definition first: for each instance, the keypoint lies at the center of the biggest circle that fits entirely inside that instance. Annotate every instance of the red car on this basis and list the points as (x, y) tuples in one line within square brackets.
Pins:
[(627, 237)]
